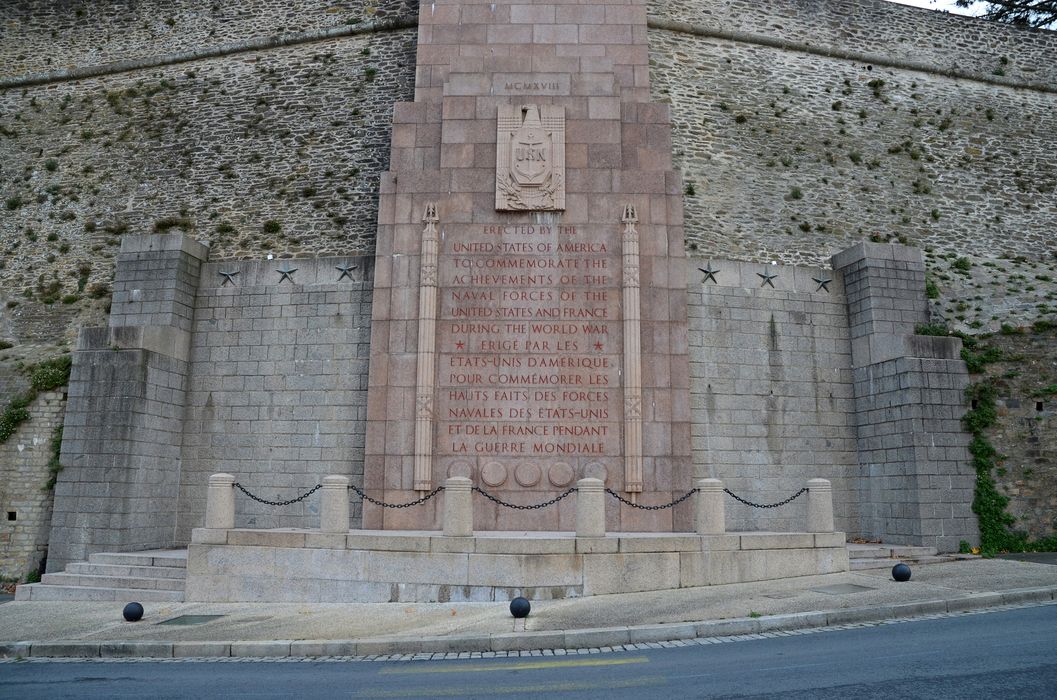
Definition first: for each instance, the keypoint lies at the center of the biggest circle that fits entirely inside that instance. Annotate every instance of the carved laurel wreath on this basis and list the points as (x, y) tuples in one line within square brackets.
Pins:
[(514, 194)]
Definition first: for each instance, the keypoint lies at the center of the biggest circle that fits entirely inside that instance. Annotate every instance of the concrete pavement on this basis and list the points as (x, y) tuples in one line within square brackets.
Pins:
[(268, 629)]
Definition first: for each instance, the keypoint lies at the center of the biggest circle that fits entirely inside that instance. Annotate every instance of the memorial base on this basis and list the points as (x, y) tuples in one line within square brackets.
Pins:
[(287, 565)]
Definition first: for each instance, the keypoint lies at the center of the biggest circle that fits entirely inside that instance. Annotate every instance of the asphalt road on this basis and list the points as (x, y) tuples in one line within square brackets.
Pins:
[(1011, 654)]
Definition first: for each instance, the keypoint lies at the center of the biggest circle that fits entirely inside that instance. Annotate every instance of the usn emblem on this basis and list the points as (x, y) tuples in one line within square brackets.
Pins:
[(530, 158)]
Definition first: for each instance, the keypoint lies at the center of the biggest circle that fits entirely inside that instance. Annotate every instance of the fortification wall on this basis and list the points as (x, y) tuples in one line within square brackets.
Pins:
[(265, 152), (934, 40), (792, 156), (47, 35), (25, 500)]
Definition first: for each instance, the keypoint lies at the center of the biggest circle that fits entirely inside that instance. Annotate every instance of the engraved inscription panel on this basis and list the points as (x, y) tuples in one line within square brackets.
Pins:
[(529, 343), (530, 158)]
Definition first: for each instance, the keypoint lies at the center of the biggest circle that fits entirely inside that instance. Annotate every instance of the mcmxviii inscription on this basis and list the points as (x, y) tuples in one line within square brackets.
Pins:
[(530, 158)]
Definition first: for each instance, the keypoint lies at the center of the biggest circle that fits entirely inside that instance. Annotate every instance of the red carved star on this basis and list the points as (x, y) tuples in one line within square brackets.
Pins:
[(598, 346), (459, 345)]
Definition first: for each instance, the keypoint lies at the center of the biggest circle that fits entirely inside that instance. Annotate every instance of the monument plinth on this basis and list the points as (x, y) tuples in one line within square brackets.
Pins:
[(529, 323)]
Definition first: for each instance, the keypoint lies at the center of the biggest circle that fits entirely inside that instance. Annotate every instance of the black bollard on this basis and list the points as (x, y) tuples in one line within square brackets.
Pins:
[(133, 612), (519, 607), (901, 572)]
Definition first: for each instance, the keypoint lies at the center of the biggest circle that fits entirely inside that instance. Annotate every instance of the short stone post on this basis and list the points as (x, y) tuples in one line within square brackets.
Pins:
[(819, 506), (458, 507), (590, 508), (711, 514), (334, 505), (220, 502)]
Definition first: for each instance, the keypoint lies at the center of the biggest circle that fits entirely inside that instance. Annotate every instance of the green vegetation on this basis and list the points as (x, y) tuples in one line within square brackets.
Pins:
[(171, 222), (989, 505), (932, 290), (54, 465), (45, 376)]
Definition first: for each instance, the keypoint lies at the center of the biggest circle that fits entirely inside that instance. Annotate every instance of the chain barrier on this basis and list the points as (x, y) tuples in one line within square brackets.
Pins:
[(674, 503), (792, 498), (551, 502), (383, 504), (302, 497)]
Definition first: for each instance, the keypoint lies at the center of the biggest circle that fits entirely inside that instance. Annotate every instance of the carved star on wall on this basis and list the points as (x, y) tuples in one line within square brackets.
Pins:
[(767, 278), (598, 346), (285, 272), (823, 284), (345, 270), (459, 345), (710, 274), (228, 277)]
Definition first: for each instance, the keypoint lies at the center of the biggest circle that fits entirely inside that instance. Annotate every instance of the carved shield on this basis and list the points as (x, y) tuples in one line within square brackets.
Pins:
[(531, 149)]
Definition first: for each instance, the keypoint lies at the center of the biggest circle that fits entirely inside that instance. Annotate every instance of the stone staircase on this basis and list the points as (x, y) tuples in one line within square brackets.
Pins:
[(881, 556), (151, 576)]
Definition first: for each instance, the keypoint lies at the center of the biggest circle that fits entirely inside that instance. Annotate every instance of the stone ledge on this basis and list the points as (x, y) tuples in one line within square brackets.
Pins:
[(286, 565)]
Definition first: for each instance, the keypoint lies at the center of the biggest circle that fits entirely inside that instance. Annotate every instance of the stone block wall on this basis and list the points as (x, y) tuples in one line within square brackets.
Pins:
[(916, 479), (120, 453), (771, 388), (277, 394), (25, 503)]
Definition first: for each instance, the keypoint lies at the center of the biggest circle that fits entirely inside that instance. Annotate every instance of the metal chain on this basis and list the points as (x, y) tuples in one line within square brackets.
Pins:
[(383, 504), (674, 503), (302, 497), (738, 498), (551, 502)]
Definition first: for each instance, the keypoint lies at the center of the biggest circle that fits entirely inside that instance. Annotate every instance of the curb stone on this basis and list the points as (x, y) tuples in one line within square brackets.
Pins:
[(489, 644)]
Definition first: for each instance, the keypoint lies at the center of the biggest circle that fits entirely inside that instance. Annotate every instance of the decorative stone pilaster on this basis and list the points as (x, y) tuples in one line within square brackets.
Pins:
[(590, 508), (427, 341), (632, 355), (710, 515), (458, 507), (220, 502)]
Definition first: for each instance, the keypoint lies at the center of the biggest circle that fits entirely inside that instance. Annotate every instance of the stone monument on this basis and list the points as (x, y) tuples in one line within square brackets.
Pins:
[(529, 319)]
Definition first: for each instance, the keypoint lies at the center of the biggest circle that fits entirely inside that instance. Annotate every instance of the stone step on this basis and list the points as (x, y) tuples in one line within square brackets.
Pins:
[(88, 569), (42, 591), (894, 551), (130, 582), (861, 564), (171, 558), (873, 563)]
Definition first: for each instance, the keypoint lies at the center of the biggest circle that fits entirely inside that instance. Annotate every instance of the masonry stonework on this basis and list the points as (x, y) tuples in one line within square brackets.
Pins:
[(269, 129), (25, 499)]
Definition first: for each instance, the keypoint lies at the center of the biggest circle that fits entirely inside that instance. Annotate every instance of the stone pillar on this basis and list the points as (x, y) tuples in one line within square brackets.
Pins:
[(632, 355), (590, 508), (916, 475), (458, 507), (427, 341), (819, 506), (123, 430), (220, 502), (711, 514), (334, 505)]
